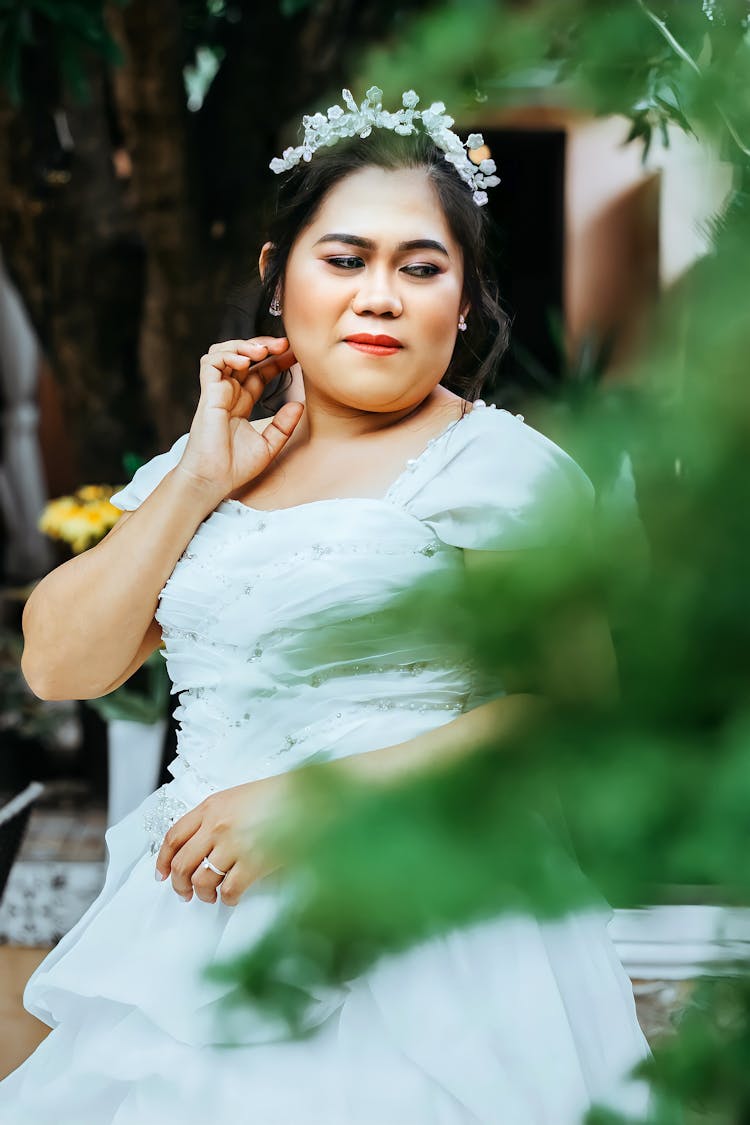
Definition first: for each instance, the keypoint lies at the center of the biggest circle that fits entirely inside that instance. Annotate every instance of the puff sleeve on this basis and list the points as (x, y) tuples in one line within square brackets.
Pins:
[(148, 476), (495, 483)]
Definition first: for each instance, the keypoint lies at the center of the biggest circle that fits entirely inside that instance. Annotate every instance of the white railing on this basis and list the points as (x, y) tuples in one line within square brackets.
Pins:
[(23, 490), (680, 942)]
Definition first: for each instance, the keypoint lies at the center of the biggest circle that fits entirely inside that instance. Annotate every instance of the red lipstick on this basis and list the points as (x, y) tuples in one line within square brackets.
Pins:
[(374, 345)]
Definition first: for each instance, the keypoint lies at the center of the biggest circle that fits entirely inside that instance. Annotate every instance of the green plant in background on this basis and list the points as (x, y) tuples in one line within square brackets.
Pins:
[(81, 521), (649, 791), (143, 699), (21, 713), (79, 27)]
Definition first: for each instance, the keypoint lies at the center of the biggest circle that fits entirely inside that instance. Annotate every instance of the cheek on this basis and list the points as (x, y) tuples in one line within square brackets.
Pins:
[(438, 316), (311, 303)]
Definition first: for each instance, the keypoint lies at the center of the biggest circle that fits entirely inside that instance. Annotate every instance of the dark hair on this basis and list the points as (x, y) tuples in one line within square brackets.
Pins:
[(479, 349)]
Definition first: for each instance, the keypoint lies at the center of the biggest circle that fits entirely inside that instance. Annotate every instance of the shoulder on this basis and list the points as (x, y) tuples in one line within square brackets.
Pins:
[(494, 482), (148, 476), (503, 435)]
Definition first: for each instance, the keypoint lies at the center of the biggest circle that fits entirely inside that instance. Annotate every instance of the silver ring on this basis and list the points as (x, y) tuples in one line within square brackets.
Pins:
[(216, 870)]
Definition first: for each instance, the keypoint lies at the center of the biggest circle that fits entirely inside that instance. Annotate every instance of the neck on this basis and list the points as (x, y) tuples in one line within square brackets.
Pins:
[(326, 420)]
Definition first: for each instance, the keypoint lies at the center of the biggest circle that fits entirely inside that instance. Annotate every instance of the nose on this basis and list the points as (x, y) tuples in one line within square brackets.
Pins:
[(376, 295)]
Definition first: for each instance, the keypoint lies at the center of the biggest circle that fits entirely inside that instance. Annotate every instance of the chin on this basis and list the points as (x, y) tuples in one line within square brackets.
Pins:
[(374, 398), (362, 389)]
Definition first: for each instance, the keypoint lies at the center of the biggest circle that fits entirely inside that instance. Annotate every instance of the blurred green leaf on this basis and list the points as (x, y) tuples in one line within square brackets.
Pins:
[(148, 705), (617, 797)]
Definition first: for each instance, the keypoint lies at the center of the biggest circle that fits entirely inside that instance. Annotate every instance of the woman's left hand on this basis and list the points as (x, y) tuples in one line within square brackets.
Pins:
[(227, 828)]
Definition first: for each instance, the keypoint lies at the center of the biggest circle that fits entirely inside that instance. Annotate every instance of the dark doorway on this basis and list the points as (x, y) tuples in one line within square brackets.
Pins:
[(527, 211)]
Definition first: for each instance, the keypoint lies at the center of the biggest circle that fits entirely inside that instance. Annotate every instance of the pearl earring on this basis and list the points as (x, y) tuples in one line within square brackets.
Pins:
[(275, 307), (462, 325)]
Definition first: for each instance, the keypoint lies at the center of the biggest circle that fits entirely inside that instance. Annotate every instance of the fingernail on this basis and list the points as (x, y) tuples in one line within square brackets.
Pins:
[(186, 898), (159, 877)]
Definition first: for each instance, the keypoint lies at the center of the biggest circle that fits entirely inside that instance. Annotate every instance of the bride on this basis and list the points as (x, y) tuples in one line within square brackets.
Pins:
[(234, 548)]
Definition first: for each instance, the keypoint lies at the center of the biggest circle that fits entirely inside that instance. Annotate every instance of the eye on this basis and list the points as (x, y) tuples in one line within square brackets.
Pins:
[(425, 270), (350, 262)]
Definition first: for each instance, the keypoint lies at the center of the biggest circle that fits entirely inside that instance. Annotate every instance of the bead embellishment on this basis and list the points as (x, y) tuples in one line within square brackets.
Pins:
[(161, 817), (412, 463), (277, 568), (207, 601), (289, 741)]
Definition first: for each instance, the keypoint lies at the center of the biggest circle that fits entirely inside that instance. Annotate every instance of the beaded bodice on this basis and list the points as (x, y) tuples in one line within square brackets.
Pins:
[(265, 623), (265, 615)]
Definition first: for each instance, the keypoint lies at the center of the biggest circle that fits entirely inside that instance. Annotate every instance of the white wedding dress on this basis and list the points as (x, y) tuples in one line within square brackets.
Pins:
[(511, 1022)]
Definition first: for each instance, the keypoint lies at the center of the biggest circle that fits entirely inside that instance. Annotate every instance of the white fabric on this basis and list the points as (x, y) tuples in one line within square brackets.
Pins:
[(510, 1021)]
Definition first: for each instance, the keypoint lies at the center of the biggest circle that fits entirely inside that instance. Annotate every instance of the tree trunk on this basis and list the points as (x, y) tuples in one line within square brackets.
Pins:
[(181, 284), (70, 243), (128, 281)]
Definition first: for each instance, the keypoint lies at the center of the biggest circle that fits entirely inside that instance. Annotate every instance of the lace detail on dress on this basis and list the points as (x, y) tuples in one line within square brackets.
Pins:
[(291, 740), (314, 553), (403, 479), (161, 816)]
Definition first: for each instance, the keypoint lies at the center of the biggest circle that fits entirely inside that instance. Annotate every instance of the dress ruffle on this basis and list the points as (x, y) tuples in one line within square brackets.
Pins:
[(509, 1020)]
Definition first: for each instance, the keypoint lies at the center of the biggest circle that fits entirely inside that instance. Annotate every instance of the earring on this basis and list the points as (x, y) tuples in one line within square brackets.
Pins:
[(275, 307), (462, 325)]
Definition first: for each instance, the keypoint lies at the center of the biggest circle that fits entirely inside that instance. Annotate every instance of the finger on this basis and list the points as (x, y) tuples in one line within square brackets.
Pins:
[(205, 881), (270, 355), (275, 344), (221, 396), (279, 429), (242, 368), (266, 370), (187, 861), (176, 837), (252, 346), (235, 361), (214, 368), (238, 879)]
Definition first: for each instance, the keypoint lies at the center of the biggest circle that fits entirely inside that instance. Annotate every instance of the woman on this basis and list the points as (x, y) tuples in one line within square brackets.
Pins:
[(235, 547)]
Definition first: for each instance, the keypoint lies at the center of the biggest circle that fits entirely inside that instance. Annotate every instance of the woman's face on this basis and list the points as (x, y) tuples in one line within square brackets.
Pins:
[(378, 260)]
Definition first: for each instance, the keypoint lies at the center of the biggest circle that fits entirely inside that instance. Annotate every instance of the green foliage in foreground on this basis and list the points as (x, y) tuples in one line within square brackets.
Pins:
[(647, 791), (639, 793)]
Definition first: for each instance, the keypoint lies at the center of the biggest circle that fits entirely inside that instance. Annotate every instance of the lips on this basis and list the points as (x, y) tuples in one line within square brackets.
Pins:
[(376, 341), (374, 345)]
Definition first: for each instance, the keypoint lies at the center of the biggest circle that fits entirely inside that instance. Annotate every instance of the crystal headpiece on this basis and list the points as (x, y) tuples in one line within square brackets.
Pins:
[(323, 130)]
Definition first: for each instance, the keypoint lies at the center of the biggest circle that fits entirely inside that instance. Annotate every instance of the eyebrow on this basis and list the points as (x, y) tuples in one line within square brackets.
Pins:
[(368, 244)]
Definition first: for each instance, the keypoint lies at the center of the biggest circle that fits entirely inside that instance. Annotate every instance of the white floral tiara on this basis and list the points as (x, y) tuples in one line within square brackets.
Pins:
[(323, 130)]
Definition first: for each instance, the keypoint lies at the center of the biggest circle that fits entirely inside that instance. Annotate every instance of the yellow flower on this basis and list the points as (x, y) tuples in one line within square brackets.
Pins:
[(94, 492), (81, 520)]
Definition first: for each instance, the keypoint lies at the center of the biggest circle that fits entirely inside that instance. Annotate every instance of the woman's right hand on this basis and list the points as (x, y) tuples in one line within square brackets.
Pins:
[(224, 450)]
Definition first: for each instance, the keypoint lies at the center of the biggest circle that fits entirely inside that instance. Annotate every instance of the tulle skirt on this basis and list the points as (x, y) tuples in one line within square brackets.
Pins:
[(510, 1022)]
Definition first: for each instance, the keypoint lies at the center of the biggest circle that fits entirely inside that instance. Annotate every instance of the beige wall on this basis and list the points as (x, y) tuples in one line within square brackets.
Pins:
[(611, 268), (695, 184), (631, 229)]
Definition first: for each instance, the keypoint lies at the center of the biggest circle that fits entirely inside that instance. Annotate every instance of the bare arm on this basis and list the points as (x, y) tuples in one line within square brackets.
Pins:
[(90, 623)]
